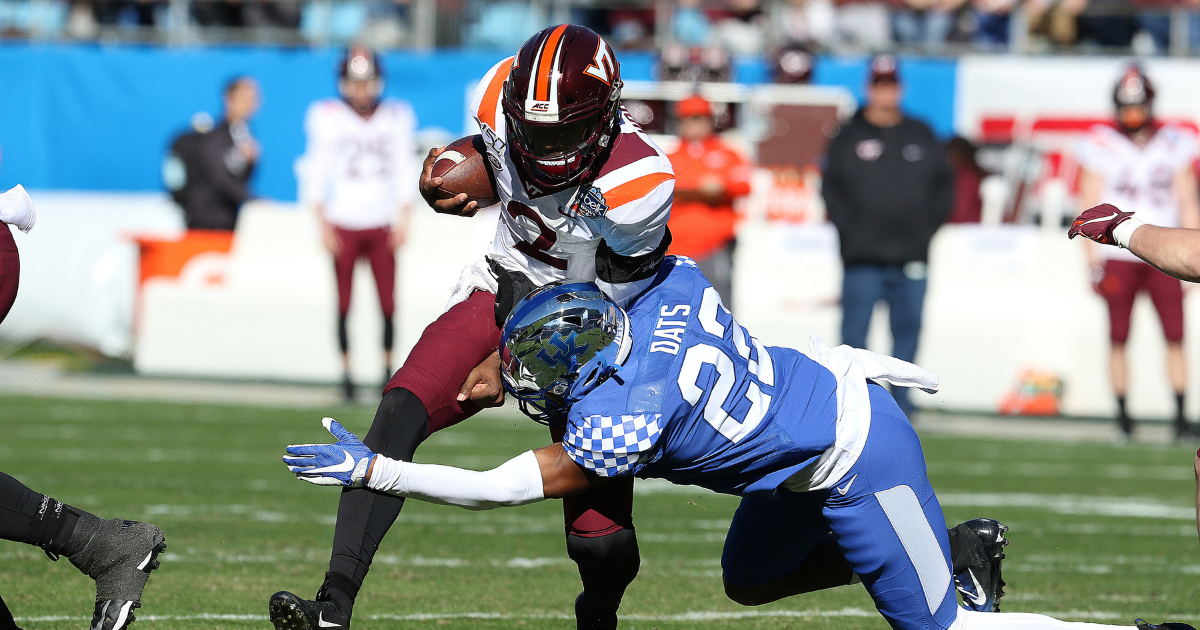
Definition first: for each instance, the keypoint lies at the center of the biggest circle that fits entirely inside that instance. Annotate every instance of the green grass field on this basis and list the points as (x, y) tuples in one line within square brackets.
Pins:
[(1102, 533)]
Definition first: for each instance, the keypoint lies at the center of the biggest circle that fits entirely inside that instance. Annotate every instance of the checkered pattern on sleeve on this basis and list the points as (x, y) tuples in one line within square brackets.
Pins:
[(611, 445)]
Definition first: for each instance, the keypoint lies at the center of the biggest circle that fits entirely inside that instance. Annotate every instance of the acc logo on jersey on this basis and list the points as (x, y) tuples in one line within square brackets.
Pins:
[(592, 205)]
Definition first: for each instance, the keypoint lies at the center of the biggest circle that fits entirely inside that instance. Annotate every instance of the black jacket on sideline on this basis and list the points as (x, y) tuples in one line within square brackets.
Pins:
[(887, 190), (217, 177)]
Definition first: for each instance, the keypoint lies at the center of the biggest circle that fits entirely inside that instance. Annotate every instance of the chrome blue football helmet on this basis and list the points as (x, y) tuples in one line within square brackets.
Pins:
[(560, 342)]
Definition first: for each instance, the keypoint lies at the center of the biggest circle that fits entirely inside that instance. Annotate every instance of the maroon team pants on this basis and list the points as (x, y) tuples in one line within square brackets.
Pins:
[(1123, 279), (372, 245), (438, 365), (10, 271)]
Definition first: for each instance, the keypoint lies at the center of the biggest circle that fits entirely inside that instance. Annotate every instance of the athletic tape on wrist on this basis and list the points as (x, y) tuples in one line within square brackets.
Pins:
[(1122, 233)]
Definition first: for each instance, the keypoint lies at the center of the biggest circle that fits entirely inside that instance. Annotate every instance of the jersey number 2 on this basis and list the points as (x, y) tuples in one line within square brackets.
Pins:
[(537, 248), (733, 416)]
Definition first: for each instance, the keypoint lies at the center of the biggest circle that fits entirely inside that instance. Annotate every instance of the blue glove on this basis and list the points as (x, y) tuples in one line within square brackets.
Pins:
[(344, 463)]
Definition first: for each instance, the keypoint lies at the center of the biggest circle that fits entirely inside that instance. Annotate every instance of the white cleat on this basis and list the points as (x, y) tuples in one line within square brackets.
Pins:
[(16, 208)]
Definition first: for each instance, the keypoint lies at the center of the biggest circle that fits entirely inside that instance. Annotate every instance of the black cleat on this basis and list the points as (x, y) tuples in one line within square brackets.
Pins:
[(978, 547), (1170, 625), (348, 389), (119, 556), (586, 618), (1184, 431), (290, 612)]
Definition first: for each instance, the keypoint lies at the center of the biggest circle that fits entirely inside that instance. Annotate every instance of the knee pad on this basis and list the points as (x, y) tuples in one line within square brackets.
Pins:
[(607, 564)]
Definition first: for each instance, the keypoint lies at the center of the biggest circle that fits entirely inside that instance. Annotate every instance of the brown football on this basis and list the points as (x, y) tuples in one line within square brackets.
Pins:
[(464, 168)]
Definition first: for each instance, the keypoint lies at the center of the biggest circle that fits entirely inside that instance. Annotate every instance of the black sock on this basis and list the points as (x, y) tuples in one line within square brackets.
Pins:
[(34, 518), (1121, 407), (364, 516), (1179, 417), (389, 333), (343, 337)]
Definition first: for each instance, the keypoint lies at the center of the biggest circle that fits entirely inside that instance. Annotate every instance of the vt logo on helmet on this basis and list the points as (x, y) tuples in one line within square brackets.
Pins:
[(560, 342), (562, 102)]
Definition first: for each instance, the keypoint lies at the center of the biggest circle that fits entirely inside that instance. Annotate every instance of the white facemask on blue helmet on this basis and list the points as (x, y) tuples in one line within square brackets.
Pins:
[(559, 343)]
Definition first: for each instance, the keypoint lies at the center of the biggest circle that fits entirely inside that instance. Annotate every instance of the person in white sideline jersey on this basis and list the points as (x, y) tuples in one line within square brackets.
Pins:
[(360, 172), (677, 389), (1143, 166)]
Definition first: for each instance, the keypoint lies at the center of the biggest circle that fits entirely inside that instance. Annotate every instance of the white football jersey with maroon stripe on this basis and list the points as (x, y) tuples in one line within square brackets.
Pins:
[(554, 236), (1139, 179), (362, 170)]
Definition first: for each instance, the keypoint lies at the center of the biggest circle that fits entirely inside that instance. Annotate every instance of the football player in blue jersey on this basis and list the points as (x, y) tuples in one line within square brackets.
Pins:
[(831, 472)]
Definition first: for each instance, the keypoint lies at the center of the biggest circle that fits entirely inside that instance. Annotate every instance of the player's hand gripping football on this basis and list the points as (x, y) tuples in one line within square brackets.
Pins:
[(343, 463), (1098, 223), (457, 205)]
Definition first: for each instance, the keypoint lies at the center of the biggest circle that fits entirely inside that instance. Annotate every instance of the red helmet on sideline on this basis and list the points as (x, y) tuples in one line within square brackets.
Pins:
[(562, 101)]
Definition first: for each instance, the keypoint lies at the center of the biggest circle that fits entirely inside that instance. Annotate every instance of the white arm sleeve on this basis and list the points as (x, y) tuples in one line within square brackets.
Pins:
[(515, 482)]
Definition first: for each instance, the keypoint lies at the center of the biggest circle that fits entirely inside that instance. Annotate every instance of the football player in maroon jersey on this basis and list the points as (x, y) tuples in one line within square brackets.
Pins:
[(584, 193)]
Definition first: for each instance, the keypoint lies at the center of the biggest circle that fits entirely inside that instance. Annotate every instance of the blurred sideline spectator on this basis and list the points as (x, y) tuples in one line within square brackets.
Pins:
[(129, 12), (791, 64), (887, 189), (219, 163), (968, 175), (697, 63), (809, 23), (925, 22), (690, 25), (631, 27), (359, 172), (741, 27), (1144, 167), (709, 176), (502, 25), (863, 24), (992, 18)]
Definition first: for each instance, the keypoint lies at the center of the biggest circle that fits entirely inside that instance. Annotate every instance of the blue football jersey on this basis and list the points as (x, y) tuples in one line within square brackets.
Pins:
[(700, 401)]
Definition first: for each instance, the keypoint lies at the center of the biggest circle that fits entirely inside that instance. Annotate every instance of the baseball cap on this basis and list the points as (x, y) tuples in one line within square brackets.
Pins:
[(694, 105), (883, 68)]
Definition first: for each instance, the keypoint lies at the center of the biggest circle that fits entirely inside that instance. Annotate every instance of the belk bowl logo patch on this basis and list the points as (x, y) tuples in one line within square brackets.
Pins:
[(592, 204)]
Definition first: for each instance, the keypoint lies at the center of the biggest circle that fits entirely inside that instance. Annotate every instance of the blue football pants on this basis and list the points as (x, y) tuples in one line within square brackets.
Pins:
[(885, 516)]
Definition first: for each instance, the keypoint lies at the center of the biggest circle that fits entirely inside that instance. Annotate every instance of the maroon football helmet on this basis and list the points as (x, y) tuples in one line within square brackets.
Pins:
[(562, 102), (1134, 88), (1134, 91), (361, 65)]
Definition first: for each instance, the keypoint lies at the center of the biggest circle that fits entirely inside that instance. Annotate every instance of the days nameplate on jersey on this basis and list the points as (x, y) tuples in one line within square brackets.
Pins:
[(591, 205)]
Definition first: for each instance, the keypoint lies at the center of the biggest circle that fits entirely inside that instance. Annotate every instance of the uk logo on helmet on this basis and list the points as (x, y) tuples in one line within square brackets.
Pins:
[(566, 352)]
